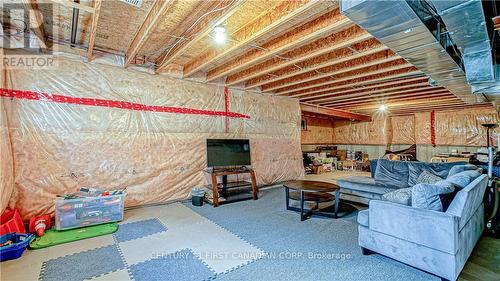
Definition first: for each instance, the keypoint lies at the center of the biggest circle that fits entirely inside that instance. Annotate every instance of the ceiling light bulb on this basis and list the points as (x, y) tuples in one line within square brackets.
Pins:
[(219, 35), (382, 107)]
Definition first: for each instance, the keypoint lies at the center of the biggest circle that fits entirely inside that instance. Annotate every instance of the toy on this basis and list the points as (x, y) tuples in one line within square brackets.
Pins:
[(39, 224), (11, 222), (13, 245), (53, 237)]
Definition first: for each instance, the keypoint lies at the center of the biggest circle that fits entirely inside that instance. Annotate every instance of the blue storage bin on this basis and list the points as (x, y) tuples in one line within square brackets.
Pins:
[(16, 249)]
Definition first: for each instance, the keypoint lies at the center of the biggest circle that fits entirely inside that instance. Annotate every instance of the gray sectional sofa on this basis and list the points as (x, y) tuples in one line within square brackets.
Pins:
[(387, 176), (423, 231)]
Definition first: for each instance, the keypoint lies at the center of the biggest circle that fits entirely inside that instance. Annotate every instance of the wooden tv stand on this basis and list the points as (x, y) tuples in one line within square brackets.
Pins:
[(214, 173)]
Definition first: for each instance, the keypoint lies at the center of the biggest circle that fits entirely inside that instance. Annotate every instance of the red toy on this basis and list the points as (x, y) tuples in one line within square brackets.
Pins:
[(11, 222), (39, 224)]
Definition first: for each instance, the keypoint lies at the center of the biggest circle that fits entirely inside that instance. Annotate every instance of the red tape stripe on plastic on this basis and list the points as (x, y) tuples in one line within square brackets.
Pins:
[(433, 128), (226, 107), (31, 95)]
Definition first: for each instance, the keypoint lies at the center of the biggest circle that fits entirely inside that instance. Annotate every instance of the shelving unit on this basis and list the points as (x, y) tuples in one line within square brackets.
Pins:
[(226, 192)]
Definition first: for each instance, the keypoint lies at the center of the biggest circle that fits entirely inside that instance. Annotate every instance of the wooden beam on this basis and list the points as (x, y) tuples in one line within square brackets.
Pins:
[(419, 91), (420, 107), (369, 71), (334, 112), (259, 29), (334, 70), (311, 31), (409, 110), (264, 76), (371, 88), (93, 28), (198, 32), (364, 80), (36, 22), (150, 23), (355, 94), (451, 100), (409, 100), (307, 52), (396, 96), (71, 4)]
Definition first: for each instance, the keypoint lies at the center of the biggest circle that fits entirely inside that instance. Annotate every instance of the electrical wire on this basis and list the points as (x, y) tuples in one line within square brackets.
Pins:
[(216, 9)]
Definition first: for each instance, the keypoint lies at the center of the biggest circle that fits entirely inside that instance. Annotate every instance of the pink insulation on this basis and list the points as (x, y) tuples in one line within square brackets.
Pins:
[(157, 156)]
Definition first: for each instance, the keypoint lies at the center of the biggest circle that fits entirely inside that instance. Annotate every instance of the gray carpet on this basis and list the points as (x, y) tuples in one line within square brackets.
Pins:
[(316, 249)]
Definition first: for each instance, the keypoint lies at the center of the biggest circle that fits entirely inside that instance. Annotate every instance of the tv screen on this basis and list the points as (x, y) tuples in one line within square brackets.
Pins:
[(228, 152)]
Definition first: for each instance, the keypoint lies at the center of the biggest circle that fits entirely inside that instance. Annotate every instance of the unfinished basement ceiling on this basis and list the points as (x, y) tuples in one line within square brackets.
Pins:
[(302, 49)]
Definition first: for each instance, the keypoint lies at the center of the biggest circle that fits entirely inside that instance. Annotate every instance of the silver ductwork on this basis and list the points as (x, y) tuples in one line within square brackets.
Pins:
[(397, 25), (466, 25)]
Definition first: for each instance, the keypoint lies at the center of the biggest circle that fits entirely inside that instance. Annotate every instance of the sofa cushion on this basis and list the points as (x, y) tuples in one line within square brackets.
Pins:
[(460, 168), (430, 196), (439, 169), (428, 177), (463, 179), (392, 173), (400, 196), (473, 174), (363, 217), (365, 184)]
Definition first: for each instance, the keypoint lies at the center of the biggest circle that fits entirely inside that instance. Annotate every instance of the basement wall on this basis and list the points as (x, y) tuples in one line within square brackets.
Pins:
[(6, 160), (157, 156), (459, 130), (318, 131)]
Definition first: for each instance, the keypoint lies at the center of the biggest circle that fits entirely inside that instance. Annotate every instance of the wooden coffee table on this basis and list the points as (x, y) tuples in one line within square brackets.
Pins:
[(312, 191)]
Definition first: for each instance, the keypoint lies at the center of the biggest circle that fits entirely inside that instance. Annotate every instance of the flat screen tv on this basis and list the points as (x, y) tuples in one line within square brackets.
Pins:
[(228, 152)]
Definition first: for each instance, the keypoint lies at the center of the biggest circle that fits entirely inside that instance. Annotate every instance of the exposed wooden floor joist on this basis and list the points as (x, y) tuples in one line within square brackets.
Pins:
[(147, 27), (309, 51), (201, 30), (334, 70), (363, 92), (405, 98), (422, 89), (265, 76), (387, 67), (380, 75), (266, 26), (318, 28), (334, 112)]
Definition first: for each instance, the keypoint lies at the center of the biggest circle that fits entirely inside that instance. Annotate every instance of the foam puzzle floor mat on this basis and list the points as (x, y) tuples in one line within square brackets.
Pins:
[(150, 244), (53, 237)]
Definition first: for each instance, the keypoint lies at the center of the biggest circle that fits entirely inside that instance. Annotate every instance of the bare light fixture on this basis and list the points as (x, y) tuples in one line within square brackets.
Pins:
[(219, 35), (382, 107)]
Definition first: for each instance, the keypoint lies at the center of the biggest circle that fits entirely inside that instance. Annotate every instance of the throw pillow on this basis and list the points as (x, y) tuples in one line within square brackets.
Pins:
[(463, 179), (473, 174), (391, 173), (439, 169), (428, 177), (400, 196), (461, 168), (430, 196)]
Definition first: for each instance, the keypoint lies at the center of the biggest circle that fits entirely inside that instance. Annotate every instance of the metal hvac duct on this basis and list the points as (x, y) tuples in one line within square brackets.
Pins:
[(465, 21), (466, 25), (398, 26)]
